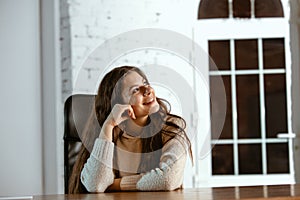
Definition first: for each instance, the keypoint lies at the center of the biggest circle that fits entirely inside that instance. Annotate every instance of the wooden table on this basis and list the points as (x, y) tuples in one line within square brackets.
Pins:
[(254, 192)]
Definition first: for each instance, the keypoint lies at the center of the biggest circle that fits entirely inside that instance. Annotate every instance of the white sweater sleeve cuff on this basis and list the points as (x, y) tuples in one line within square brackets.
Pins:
[(103, 150), (129, 182)]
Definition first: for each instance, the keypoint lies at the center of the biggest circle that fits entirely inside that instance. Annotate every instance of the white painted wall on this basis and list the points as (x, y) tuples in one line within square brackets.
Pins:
[(20, 102), (53, 110)]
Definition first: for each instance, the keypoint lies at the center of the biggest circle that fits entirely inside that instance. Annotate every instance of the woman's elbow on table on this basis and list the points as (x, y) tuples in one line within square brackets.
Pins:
[(96, 184), (172, 182)]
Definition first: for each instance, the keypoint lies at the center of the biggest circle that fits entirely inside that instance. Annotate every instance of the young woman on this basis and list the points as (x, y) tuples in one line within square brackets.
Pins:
[(140, 145)]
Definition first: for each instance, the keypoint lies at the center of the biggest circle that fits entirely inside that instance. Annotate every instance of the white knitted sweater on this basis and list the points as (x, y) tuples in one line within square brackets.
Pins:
[(98, 174)]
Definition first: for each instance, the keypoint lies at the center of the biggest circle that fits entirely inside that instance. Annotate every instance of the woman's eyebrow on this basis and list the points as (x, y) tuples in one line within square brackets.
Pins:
[(136, 85), (133, 87)]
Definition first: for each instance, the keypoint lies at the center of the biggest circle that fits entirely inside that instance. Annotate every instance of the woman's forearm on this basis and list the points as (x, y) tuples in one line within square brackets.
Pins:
[(97, 173), (106, 132), (169, 174)]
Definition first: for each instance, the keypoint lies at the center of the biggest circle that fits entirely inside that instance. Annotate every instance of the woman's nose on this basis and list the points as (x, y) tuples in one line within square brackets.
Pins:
[(145, 89)]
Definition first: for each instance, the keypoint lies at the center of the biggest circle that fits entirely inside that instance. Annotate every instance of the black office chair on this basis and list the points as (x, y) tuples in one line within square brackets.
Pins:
[(77, 110)]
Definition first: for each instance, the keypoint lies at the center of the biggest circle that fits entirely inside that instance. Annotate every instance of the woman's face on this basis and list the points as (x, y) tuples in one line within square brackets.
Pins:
[(140, 95)]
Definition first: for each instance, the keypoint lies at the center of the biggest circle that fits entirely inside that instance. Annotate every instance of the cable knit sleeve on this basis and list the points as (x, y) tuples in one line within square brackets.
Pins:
[(97, 173), (169, 175)]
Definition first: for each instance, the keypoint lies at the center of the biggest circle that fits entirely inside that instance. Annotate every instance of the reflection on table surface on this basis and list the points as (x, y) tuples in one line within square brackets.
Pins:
[(252, 192)]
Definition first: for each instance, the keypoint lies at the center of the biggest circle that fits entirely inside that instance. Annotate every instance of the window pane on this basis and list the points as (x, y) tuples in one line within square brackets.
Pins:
[(268, 8), (246, 56), (277, 158), (276, 105), (219, 51), (250, 159), (273, 53), (222, 159), (215, 115), (213, 9), (248, 106), (241, 9)]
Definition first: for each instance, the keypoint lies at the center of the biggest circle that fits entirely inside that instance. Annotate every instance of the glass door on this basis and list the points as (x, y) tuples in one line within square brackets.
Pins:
[(256, 142)]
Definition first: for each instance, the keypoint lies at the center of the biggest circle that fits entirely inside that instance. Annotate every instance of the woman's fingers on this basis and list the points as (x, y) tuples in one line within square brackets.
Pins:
[(118, 114), (122, 112)]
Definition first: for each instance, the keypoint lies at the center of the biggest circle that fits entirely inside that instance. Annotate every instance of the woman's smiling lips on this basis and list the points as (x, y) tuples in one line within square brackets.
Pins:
[(149, 101)]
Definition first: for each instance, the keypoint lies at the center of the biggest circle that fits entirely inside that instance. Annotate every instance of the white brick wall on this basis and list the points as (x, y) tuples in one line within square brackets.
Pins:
[(87, 24)]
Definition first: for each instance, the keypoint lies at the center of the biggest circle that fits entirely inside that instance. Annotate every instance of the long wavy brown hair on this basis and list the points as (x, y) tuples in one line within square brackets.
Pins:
[(107, 96)]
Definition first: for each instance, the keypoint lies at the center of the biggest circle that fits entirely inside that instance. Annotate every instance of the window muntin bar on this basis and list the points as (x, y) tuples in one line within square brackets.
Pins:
[(234, 109)]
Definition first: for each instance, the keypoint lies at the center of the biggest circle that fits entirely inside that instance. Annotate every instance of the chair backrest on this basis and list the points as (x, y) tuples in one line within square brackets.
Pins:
[(77, 110)]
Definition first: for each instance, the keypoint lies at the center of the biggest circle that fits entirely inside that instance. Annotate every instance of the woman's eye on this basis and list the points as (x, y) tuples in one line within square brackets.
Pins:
[(135, 90)]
